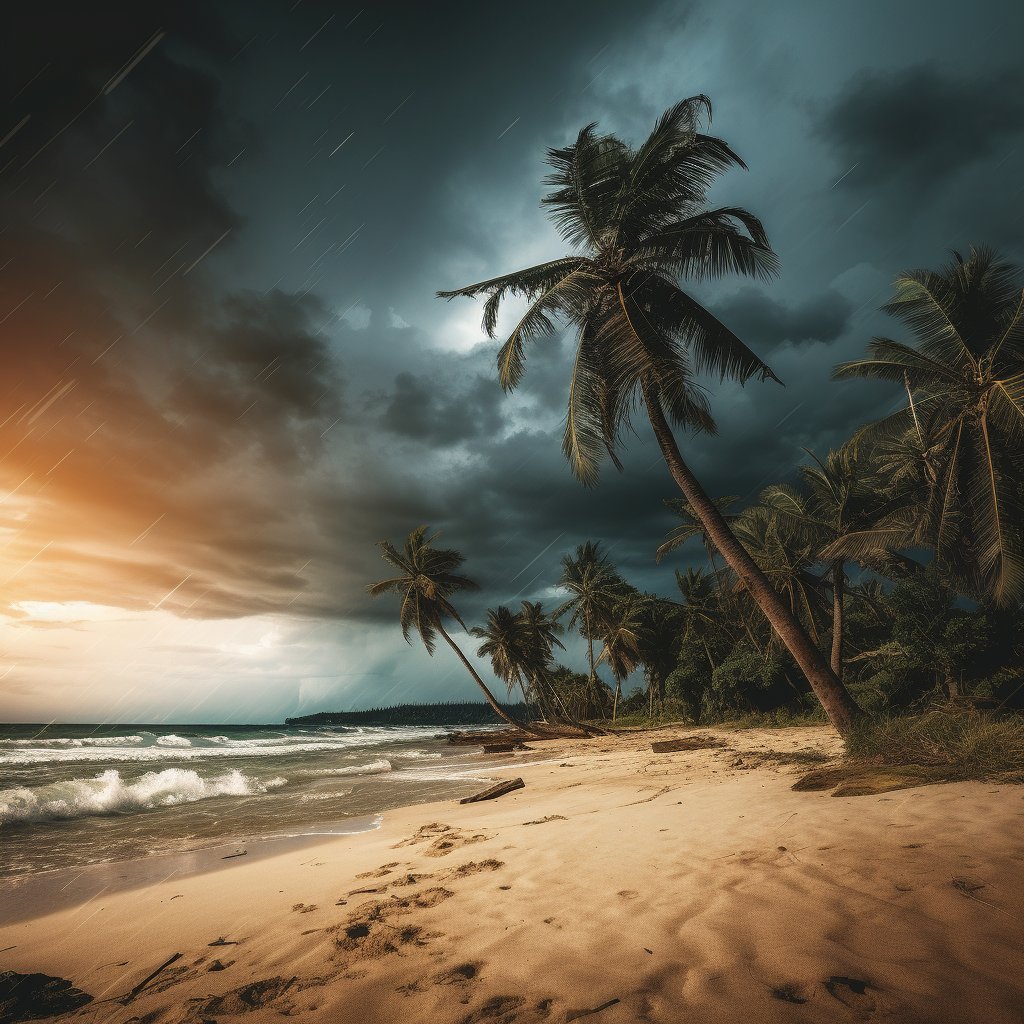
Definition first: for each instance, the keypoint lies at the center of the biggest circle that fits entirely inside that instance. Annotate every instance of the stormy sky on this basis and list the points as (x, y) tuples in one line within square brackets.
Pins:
[(224, 371)]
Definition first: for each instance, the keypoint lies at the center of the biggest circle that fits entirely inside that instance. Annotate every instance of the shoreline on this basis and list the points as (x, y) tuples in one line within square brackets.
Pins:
[(687, 885), (40, 893)]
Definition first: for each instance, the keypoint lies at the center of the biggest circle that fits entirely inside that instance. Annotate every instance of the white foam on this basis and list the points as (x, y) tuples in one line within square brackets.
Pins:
[(371, 768), (173, 741), (147, 747), (108, 793)]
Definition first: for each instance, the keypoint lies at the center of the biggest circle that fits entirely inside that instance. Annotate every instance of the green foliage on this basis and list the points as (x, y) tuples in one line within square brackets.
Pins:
[(952, 456)]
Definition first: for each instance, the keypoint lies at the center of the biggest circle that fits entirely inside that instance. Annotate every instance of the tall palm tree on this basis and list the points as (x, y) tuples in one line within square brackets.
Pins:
[(638, 222), (594, 587), (964, 378), (540, 632), (427, 581), (503, 642), (622, 635)]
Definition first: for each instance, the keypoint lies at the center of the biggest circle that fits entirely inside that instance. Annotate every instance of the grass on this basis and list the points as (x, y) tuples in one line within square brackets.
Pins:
[(900, 752), (965, 745)]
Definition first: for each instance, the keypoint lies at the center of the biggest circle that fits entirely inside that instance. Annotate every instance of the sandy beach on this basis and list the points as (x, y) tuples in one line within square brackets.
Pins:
[(686, 886)]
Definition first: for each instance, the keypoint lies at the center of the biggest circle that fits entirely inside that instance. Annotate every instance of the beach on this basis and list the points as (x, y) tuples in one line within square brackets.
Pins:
[(690, 885)]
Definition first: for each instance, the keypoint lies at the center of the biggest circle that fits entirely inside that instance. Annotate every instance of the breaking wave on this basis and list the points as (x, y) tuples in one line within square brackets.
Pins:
[(109, 794)]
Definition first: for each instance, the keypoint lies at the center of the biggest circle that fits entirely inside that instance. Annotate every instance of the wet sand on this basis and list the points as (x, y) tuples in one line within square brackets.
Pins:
[(686, 886)]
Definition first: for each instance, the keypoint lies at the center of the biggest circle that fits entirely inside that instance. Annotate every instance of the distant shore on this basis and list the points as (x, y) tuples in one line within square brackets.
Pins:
[(689, 885)]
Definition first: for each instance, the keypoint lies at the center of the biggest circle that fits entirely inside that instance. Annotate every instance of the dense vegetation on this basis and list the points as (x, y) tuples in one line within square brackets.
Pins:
[(888, 576), (438, 713)]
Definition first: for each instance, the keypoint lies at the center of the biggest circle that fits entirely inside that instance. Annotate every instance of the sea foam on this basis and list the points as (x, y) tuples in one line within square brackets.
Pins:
[(108, 794)]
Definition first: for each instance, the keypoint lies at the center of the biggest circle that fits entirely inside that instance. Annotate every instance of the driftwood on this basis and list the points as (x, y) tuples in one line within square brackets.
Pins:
[(230, 855), (576, 1014), (688, 743), (138, 988), (223, 942), (499, 790)]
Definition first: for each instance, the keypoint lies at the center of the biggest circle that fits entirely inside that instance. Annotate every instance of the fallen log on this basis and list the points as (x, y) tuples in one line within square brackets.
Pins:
[(688, 743), (495, 791)]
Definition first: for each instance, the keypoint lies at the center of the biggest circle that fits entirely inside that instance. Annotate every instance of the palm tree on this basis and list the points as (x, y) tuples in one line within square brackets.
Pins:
[(622, 634), (503, 642), (658, 643), (843, 504), (594, 586), (426, 583), (520, 646), (638, 222), (965, 386), (540, 632), (785, 557)]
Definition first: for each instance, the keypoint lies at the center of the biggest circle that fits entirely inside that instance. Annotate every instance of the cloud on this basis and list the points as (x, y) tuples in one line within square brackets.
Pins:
[(763, 321), (920, 125), (434, 412)]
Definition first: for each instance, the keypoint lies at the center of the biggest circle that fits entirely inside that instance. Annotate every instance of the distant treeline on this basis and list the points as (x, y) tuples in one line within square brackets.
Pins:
[(447, 713)]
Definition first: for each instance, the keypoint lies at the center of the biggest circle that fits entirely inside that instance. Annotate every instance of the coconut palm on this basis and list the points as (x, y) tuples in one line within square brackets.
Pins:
[(540, 632), (843, 503), (638, 222), (965, 382), (427, 580), (594, 587), (786, 557), (503, 642), (623, 636)]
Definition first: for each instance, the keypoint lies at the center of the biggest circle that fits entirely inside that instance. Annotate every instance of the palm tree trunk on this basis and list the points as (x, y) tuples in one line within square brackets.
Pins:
[(615, 702), (837, 702), (483, 686), (838, 586)]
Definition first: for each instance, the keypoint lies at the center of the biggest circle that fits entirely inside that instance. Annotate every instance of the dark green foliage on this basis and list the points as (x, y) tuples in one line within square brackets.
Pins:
[(447, 713)]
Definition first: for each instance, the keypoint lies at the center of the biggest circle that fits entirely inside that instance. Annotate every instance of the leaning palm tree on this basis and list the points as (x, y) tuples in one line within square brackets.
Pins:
[(427, 581), (965, 386), (638, 222)]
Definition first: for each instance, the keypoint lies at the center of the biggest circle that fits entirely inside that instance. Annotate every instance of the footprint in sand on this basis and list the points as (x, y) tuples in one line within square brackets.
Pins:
[(384, 869), (444, 838), (628, 894)]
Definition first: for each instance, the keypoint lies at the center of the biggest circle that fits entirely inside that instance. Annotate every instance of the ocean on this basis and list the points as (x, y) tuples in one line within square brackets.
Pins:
[(78, 795)]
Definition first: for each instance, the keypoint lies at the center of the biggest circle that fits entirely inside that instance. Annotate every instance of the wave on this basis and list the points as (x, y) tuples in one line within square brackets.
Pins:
[(151, 747), (109, 794)]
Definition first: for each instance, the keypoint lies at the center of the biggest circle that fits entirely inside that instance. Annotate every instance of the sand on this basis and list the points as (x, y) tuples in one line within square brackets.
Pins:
[(688, 886)]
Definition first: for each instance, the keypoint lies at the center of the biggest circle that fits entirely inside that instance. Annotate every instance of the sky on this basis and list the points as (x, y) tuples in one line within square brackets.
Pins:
[(225, 373)]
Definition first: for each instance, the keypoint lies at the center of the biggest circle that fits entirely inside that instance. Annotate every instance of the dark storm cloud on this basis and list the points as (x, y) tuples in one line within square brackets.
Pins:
[(921, 124), (436, 413), (758, 318), (142, 399)]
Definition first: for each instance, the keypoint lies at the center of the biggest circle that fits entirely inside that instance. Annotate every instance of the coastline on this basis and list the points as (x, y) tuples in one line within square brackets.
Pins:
[(687, 885)]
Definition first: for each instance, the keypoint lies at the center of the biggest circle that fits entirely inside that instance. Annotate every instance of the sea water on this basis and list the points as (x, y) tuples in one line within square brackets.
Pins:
[(78, 795)]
